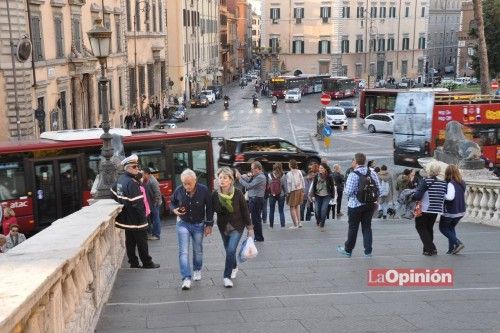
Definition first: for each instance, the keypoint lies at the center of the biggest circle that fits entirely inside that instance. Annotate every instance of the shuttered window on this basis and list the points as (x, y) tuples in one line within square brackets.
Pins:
[(75, 30), (160, 16), (132, 86), (142, 80), (324, 47), (151, 80), (129, 15), (37, 38), (59, 37), (163, 79), (118, 34)]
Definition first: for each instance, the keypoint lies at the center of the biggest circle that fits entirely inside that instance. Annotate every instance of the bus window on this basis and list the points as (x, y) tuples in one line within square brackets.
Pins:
[(12, 184), (153, 159), (92, 170), (200, 166), (485, 135), (181, 162)]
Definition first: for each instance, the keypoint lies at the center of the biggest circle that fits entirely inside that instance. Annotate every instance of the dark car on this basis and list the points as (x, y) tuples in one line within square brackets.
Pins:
[(349, 107), (240, 152), (199, 101), (217, 89), (177, 113)]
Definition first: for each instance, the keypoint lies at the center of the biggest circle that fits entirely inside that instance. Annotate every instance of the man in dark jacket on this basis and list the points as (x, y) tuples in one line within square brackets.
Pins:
[(153, 195), (132, 218)]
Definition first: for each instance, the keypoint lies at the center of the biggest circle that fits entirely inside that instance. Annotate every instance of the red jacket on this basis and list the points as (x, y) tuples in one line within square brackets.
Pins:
[(7, 221)]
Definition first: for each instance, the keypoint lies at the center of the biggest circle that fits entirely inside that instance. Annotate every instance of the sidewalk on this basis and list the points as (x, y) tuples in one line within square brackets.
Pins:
[(299, 283)]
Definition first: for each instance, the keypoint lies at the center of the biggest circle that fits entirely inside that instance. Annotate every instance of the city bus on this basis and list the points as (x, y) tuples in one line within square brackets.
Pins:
[(306, 83), (339, 87), (381, 100), (419, 132), (49, 178)]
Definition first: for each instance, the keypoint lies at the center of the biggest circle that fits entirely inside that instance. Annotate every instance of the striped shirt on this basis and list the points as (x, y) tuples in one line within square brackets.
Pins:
[(433, 199)]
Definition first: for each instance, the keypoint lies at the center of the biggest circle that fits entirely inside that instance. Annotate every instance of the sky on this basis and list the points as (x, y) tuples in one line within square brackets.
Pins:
[(255, 5)]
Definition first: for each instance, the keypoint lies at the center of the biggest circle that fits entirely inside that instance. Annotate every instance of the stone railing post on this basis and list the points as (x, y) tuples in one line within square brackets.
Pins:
[(483, 201)]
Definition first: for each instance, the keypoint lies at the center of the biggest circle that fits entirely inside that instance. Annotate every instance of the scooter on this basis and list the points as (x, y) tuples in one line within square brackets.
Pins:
[(274, 106), (226, 104), (255, 102)]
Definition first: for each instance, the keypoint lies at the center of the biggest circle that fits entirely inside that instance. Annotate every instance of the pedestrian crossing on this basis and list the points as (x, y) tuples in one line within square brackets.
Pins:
[(211, 112)]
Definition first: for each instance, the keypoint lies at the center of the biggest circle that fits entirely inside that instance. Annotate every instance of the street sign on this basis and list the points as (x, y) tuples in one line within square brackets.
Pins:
[(327, 131), (494, 85), (325, 99)]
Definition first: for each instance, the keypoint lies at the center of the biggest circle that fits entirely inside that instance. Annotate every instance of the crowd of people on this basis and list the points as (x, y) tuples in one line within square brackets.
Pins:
[(11, 235)]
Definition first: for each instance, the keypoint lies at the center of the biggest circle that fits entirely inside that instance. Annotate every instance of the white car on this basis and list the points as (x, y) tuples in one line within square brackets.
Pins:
[(335, 117), (293, 95), (379, 122), (209, 94)]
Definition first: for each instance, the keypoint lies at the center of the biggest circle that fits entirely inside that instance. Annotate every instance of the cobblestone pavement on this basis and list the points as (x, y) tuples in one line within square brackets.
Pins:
[(299, 283)]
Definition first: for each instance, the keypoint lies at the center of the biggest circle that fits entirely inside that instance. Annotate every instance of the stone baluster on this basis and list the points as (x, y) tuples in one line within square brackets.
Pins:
[(477, 200), (469, 198), (484, 209), (496, 214)]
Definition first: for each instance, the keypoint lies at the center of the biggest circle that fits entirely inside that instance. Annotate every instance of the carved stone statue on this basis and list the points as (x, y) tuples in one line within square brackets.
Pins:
[(458, 150), (118, 156)]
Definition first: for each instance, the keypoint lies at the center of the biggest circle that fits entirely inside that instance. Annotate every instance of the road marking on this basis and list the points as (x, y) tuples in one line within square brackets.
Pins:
[(367, 292)]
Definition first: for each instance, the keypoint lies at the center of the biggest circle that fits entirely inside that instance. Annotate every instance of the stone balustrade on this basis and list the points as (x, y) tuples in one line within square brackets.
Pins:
[(483, 201), (58, 280)]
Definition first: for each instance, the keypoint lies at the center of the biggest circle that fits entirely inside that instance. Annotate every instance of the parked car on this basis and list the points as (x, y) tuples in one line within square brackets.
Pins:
[(462, 80), (293, 95), (177, 113), (240, 152), (243, 82), (199, 101), (335, 117), (164, 124), (349, 107), (209, 94), (218, 91), (379, 122)]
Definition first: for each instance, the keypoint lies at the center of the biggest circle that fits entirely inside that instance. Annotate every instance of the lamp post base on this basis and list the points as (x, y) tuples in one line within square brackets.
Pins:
[(107, 177)]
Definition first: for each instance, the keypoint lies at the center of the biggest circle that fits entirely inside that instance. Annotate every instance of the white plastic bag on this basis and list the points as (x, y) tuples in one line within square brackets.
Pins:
[(247, 250)]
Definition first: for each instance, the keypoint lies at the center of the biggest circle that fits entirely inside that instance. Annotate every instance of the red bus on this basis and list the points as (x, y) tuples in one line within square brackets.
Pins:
[(381, 100), (307, 83), (480, 116), (339, 87), (46, 179)]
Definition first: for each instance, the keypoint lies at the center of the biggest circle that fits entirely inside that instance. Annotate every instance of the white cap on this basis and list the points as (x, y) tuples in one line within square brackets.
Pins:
[(132, 159)]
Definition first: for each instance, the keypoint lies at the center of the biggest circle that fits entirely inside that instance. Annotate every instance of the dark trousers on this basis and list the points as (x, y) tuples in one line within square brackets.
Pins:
[(331, 209), (425, 228), (255, 205), (356, 216), (139, 239), (340, 191), (447, 227), (306, 209)]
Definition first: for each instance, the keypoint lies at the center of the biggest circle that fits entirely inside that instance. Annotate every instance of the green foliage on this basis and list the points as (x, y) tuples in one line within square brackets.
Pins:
[(451, 86)]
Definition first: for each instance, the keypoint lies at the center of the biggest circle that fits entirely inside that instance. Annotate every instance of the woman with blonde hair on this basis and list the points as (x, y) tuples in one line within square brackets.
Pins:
[(232, 217), (454, 208), (431, 192), (295, 192), (9, 218)]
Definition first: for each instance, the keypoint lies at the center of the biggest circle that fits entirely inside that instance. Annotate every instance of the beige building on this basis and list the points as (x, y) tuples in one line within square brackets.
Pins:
[(361, 39), (228, 40), (255, 29), (466, 43), (194, 61), (244, 30)]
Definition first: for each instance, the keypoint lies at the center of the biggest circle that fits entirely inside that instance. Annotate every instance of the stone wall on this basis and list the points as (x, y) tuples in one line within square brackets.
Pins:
[(483, 201), (58, 280)]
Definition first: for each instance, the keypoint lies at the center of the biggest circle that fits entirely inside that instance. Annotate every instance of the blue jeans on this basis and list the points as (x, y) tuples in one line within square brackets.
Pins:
[(307, 208), (447, 227), (264, 210), (185, 232), (155, 221), (255, 207), (322, 204), (281, 209), (230, 245)]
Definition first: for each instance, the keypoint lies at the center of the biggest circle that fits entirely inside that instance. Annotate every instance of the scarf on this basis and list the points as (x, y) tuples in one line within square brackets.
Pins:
[(226, 200)]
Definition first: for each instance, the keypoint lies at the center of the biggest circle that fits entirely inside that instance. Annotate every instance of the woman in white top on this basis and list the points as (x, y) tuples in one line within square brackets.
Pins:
[(295, 192)]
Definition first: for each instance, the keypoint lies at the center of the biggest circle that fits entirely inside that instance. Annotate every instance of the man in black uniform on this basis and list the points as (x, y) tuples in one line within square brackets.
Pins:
[(132, 218)]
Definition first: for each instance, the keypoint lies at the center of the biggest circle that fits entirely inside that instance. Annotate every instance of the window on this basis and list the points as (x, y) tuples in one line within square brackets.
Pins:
[(274, 14), (325, 13), (344, 46), (406, 43), (420, 66), (120, 91), (12, 175), (359, 45), (421, 43), (381, 45), (274, 44), (372, 69), (142, 80), (407, 11), (373, 12), (390, 44), (110, 93), (359, 70), (373, 44), (61, 104), (154, 17), (422, 14), (389, 68), (59, 37), (153, 159), (382, 12), (160, 16), (392, 11), (298, 46), (404, 67), (185, 18), (324, 47), (118, 34), (360, 12), (151, 80), (163, 80), (346, 12), (137, 16), (129, 15), (298, 13), (37, 38)]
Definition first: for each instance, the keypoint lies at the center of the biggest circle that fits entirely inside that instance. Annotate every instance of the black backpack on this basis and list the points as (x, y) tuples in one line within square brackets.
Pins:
[(367, 188)]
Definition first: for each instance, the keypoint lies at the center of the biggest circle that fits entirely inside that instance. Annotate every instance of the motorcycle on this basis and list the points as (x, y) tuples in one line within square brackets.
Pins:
[(255, 102), (274, 106), (226, 104)]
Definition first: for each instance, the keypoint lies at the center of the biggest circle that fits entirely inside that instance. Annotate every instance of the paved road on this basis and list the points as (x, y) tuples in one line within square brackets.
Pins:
[(298, 283)]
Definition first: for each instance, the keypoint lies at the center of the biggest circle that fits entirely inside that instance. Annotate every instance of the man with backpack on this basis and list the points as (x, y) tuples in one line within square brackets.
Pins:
[(363, 190)]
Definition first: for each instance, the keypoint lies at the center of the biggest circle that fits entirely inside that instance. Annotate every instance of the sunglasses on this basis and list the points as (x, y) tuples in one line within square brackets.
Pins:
[(135, 166)]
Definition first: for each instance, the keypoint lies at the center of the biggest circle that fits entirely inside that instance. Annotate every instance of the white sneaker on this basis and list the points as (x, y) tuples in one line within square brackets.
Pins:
[(292, 227), (196, 275), (186, 284), (234, 272), (300, 224), (228, 283)]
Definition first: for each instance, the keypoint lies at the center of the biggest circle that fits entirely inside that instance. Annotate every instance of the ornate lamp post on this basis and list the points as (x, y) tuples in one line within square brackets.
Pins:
[(100, 42)]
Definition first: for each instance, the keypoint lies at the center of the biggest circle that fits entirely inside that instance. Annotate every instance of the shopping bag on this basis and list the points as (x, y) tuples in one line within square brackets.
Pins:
[(247, 250)]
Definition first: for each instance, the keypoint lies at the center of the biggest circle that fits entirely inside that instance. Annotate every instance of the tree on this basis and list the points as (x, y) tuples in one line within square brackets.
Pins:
[(483, 51)]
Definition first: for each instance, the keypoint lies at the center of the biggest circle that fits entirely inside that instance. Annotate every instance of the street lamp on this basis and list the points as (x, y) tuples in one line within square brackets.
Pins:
[(100, 42)]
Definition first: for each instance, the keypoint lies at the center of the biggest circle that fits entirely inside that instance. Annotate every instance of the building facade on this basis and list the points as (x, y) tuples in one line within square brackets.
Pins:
[(255, 30), (228, 40), (194, 61), (361, 39), (466, 43), (442, 41)]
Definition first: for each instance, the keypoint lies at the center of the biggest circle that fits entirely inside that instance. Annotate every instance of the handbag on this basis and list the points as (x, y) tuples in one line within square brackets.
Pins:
[(417, 211)]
